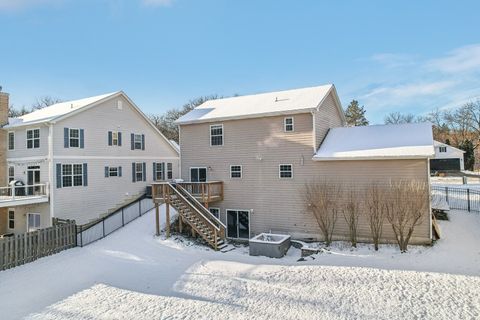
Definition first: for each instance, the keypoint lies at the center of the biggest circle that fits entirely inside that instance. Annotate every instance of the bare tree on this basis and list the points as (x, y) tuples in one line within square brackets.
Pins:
[(320, 198), (351, 213), (376, 211), (397, 117), (407, 203), (44, 101)]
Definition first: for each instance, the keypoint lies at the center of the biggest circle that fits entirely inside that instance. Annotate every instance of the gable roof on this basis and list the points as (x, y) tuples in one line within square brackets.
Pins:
[(397, 141), (441, 144), (62, 110), (57, 110), (261, 105)]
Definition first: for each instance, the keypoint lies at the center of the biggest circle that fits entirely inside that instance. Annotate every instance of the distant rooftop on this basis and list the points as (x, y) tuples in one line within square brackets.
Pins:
[(413, 140), (263, 104), (56, 110)]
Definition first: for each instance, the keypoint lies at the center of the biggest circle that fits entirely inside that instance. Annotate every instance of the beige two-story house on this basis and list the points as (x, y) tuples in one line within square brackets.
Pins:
[(267, 147)]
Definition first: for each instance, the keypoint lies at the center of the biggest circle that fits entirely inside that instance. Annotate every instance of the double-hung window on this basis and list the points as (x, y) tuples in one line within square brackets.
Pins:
[(115, 138), (113, 171), (158, 171), (216, 135), (72, 175), (33, 138), (137, 141), (139, 171), (288, 124), (74, 138), (235, 171), (11, 173), (285, 171), (169, 171), (11, 140), (11, 219)]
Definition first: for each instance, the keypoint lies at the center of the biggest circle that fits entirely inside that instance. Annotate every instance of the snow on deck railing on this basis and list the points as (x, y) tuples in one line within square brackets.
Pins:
[(458, 198), (21, 192)]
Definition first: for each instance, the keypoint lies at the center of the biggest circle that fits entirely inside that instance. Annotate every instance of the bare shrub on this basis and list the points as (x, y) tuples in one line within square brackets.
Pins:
[(406, 206), (351, 212), (376, 211), (321, 199)]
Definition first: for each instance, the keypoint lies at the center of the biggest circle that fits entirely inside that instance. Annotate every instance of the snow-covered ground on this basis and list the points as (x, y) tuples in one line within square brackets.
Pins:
[(133, 275)]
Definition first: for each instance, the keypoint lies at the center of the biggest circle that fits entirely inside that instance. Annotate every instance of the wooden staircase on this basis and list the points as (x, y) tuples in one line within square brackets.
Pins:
[(192, 213)]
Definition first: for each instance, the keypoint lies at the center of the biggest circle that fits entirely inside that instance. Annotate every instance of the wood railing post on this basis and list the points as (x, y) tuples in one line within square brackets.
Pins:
[(157, 219), (167, 218)]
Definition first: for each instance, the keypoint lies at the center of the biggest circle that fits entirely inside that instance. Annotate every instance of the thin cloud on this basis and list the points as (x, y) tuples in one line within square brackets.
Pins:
[(393, 60), (409, 91), (460, 60), (16, 5)]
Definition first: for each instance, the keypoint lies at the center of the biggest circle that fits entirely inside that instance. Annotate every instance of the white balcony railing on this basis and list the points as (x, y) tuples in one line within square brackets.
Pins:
[(26, 194)]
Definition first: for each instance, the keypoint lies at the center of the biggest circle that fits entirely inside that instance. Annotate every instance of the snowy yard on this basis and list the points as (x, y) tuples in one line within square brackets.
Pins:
[(133, 275)]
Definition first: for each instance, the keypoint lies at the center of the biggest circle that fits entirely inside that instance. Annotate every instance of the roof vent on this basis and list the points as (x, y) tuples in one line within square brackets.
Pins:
[(71, 106), (278, 100)]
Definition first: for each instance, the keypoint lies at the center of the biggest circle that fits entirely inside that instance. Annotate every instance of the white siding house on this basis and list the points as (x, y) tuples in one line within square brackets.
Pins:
[(92, 154), (447, 158)]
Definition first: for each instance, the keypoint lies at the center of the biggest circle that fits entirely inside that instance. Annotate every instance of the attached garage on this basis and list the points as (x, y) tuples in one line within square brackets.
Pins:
[(445, 164)]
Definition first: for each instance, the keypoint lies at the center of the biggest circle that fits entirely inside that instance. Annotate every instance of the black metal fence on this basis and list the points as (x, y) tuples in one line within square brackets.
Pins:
[(459, 198), (116, 220)]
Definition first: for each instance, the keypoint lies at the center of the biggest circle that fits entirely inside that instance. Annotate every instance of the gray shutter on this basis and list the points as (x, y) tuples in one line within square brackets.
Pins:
[(82, 139), (119, 138), (143, 142), (144, 171), (133, 172), (132, 136), (66, 142), (110, 138), (154, 171), (59, 175), (85, 175), (119, 171), (106, 172), (163, 170)]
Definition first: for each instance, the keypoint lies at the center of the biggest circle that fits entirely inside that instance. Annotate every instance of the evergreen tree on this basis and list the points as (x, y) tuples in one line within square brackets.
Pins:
[(355, 115), (469, 155)]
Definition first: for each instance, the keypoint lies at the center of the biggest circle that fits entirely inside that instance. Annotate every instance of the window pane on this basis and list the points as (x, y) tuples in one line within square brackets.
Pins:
[(29, 134), (36, 143), (29, 144), (36, 133), (235, 172), (77, 180), (67, 169), (232, 224), (243, 228), (215, 212), (77, 169), (139, 176), (74, 143), (67, 181)]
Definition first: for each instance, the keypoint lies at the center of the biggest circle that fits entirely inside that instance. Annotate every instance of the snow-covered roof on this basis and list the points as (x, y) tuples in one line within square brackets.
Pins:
[(396, 141), (257, 105), (57, 110), (175, 145), (441, 144)]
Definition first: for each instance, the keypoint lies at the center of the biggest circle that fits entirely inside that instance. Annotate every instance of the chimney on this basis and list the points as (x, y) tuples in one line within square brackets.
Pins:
[(3, 107)]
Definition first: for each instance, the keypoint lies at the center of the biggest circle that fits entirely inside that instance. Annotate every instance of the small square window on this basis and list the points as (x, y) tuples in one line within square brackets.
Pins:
[(113, 171), (33, 138), (443, 149), (235, 171), (285, 171), (288, 124)]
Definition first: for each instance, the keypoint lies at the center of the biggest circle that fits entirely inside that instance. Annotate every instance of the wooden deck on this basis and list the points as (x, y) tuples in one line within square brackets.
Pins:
[(205, 192)]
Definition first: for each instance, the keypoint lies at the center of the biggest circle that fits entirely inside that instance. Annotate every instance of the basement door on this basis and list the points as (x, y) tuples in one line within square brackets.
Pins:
[(238, 224)]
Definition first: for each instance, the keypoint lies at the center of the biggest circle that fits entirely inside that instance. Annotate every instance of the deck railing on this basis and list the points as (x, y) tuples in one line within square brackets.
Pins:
[(21, 192), (205, 192)]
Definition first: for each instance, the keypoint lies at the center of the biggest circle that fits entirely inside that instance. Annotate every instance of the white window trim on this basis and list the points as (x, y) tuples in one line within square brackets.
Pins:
[(279, 171), (135, 141), (70, 137), (109, 172), (72, 175), (206, 172), (167, 171), (8, 218), (113, 138), (223, 135), (8, 140), (241, 171), (33, 139), (215, 208), (285, 124), (249, 223), (40, 219), (8, 172), (137, 172)]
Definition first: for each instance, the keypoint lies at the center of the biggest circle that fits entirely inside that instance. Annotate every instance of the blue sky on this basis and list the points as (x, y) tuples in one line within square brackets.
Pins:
[(406, 56)]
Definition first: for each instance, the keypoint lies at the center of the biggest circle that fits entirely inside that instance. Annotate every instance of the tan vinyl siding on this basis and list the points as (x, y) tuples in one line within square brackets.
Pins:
[(326, 117), (260, 145)]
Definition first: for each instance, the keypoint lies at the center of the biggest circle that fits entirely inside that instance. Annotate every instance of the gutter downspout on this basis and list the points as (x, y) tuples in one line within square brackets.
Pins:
[(50, 169), (314, 134)]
